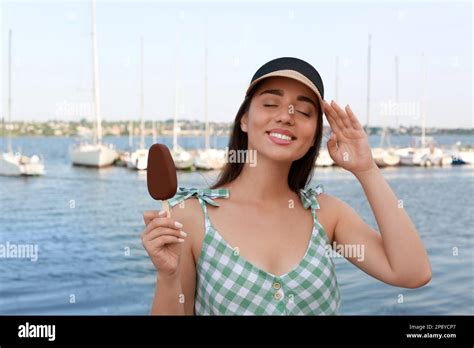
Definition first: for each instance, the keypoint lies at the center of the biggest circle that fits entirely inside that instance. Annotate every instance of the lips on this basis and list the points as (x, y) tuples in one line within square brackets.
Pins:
[(281, 131), (281, 136)]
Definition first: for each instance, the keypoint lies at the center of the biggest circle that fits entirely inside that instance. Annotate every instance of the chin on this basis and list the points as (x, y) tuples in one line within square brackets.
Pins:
[(283, 154), (279, 153)]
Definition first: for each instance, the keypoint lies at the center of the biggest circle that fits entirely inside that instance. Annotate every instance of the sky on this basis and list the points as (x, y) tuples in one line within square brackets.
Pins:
[(52, 70)]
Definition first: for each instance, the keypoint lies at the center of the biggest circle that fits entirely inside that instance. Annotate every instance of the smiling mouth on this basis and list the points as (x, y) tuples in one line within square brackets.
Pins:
[(280, 136)]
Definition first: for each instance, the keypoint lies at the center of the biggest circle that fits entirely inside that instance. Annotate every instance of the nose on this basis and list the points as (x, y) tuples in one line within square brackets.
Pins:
[(285, 116)]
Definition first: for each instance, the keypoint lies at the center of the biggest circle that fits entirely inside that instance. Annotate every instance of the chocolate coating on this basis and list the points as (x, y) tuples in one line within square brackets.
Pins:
[(161, 173)]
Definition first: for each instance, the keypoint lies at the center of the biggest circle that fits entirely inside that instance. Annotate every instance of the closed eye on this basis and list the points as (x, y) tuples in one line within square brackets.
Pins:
[(304, 113), (270, 105)]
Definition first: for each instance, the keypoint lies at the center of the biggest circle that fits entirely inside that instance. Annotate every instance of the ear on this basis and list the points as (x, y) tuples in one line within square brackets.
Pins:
[(244, 123)]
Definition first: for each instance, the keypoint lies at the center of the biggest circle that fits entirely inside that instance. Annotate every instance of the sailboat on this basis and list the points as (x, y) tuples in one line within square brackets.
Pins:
[(124, 156), (462, 154), (182, 158), (95, 154), (138, 159), (324, 159), (16, 164), (423, 152), (208, 158), (384, 155)]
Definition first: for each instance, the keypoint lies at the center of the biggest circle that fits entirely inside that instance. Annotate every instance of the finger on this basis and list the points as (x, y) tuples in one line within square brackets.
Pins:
[(342, 114), (333, 114), (163, 231), (332, 144), (163, 222), (164, 240), (331, 121), (355, 122), (329, 111), (151, 214)]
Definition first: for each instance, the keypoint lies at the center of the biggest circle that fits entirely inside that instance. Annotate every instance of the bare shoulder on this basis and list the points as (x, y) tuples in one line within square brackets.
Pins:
[(188, 211), (328, 212), (190, 214), (328, 201)]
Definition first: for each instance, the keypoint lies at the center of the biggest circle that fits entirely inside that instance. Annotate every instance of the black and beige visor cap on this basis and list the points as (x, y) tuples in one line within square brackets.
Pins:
[(293, 68)]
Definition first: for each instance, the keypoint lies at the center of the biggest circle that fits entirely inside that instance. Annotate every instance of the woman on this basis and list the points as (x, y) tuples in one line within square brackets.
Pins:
[(257, 241)]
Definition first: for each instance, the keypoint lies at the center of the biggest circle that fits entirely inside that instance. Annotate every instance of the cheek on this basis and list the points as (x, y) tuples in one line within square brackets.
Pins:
[(307, 134), (310, 132), (258, 119)]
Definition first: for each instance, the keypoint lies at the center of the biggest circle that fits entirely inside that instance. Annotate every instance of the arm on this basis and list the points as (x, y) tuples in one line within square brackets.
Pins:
[(167, 296), (396, 255), (174, 293)]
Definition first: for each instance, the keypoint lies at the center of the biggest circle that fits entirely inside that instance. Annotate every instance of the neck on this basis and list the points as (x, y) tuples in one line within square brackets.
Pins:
[(266, 181)]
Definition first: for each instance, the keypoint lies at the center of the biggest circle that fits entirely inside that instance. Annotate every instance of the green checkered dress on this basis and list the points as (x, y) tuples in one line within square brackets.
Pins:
[(228, 284)]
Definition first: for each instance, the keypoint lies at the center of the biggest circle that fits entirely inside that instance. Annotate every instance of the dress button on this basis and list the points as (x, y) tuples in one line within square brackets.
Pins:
[(278, 295), (276, 286)]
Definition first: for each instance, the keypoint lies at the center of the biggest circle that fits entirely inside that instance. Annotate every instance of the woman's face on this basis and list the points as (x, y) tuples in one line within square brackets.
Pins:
[(281, 120)]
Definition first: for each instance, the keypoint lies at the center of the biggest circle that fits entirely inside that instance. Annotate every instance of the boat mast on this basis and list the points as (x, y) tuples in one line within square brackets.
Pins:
[(142, 107), (95, 79), (396, 95), (368, 84), (9, 136), (386, 132), (130, 134), (206, 116), (175, 120), (423, 113)]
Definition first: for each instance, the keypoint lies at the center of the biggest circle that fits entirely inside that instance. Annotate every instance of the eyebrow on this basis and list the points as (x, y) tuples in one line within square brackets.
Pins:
[(280, 93)]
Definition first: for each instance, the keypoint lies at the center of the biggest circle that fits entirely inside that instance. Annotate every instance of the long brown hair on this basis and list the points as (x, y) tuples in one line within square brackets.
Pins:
[(301, 170)]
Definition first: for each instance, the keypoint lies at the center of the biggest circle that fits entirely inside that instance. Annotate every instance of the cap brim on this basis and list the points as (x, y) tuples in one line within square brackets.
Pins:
[(292, 74)]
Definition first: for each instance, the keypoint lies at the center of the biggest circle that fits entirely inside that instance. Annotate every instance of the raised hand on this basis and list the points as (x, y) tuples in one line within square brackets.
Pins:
[(349, 145)]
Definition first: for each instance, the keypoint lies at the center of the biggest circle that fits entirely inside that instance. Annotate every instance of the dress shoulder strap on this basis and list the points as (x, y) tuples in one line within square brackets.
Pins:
[(203, 195), (308, 196)]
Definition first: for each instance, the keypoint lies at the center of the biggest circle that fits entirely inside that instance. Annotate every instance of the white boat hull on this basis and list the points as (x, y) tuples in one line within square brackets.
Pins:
[(446, 161), (32, 166), (138, 159), (89, 155), (210, 159), (385, 158), (10, 165), (16, 165), (466, 156), (182, 159), (425, 157), (324, 159)]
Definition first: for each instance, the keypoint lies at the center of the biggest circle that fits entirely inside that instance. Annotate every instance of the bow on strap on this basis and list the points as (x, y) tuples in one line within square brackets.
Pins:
[(308, 196), (203, 195)]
